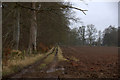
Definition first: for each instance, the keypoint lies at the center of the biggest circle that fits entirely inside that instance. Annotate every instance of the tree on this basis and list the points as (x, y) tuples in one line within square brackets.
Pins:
[(91, 33), (11, 23), (52, 24), (33, 30), (81, 32), (16, 33), (99, 38), (42, 22), (74, 37), (119, 36), (110, 36)]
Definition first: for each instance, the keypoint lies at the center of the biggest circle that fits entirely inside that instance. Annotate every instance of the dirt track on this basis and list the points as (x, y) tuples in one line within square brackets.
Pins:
[(32, 70)]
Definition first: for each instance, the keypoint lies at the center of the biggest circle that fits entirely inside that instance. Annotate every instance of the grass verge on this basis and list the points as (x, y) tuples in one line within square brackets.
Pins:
[(60, 56), (47, 61), (17, 64)]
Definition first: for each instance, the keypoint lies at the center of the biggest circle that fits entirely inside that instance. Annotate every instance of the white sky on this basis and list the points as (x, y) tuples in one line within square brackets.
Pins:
[(101, 14)]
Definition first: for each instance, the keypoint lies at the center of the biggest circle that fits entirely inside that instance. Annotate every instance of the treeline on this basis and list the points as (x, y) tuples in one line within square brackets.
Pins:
[(36, 26), (39, 26), (88, 35)]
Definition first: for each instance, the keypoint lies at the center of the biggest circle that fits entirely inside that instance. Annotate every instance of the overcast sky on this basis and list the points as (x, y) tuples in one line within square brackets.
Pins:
[(101, 14)]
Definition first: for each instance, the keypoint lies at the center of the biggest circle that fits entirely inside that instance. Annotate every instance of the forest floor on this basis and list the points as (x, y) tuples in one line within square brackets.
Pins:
[(74, 62)]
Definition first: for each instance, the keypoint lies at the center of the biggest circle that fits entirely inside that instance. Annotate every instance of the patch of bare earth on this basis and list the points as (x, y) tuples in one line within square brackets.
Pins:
[(93, 62)]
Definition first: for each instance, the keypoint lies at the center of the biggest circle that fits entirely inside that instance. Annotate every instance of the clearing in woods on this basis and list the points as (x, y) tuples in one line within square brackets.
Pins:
[(74, 62)]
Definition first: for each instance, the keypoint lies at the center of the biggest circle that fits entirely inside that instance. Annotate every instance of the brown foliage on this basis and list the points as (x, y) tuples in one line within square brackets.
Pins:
[(42, 47), (7, 51)]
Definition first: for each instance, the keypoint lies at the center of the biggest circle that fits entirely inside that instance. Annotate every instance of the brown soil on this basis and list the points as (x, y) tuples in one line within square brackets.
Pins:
[(95, 62)]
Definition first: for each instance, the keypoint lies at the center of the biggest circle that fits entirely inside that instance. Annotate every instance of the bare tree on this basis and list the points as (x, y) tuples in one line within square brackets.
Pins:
[(33, 30), (99, 38), (16, 34), (91, 33), (35, 9), (81, 32)]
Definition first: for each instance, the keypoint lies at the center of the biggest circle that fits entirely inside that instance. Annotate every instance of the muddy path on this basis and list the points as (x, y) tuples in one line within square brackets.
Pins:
[(52, 66), (44, 68), (30, 68)]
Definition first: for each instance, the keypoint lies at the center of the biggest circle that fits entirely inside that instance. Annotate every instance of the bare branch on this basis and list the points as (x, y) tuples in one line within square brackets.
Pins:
[(27, 7), (65, 6)]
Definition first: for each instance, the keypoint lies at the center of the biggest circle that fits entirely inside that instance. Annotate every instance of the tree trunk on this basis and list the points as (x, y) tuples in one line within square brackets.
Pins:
[(83, 36), (90, 42), (16, 34), (33, 31)]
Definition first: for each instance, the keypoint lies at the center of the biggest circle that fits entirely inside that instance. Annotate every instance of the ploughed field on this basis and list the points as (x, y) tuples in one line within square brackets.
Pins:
[(90, 62)]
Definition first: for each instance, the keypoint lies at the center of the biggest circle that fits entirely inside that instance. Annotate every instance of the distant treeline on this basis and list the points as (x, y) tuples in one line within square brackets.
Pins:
[(88, 35)]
